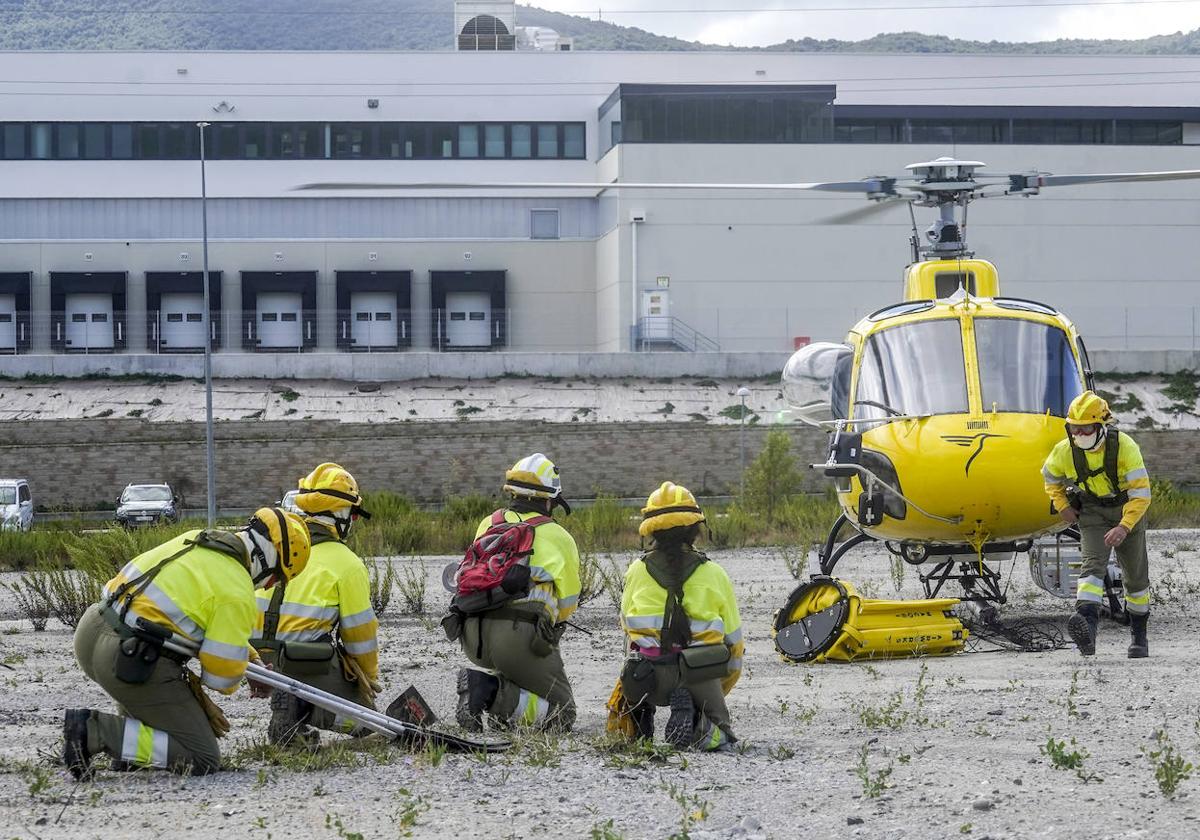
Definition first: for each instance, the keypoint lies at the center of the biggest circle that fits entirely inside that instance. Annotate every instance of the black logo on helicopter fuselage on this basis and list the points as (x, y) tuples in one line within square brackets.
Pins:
[(967, 440)]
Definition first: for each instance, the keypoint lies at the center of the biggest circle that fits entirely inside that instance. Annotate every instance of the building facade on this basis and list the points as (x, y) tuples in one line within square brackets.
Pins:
[(100, 216)]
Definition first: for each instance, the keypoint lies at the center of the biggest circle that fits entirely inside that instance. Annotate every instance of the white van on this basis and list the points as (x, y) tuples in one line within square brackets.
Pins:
[(16, 505)]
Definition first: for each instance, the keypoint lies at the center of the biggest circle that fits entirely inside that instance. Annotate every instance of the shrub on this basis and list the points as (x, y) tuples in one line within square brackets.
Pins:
[(773, 478), (412, 587), (383, 579), (31, 603)]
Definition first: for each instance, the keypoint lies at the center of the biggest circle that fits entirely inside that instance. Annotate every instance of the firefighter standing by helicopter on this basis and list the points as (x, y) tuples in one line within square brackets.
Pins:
[(1097, 480)]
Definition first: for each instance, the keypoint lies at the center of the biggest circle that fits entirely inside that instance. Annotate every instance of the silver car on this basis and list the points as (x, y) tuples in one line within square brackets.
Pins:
[(16, 505), (147, 504)]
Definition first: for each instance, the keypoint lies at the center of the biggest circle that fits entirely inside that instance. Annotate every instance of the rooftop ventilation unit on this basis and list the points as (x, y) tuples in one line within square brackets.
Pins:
[(485, 25)]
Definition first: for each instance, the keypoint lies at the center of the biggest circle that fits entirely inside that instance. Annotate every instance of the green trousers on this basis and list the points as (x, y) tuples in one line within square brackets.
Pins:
[(1094, 523), (333, 680), (160, 722), (711, 725), (534, 689)]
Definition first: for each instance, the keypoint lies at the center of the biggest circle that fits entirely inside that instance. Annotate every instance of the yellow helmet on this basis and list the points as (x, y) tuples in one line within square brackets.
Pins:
[(670, 506), (288, 533), (1088, 408), (328, 488), (534, 477)]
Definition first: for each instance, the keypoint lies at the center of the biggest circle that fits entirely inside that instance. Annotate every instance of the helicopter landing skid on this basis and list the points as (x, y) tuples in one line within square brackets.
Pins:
[(979, 581)]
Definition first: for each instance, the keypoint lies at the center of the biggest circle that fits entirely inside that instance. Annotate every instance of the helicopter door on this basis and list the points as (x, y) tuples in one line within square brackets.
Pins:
[(816, 381), (1088, 380), (1025, 367)]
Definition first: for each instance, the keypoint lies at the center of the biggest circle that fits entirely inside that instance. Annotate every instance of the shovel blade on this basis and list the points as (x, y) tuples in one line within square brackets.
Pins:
[(411, 707)]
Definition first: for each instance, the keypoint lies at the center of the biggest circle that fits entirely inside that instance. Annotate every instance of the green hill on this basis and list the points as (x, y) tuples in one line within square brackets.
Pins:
[(417, 25)]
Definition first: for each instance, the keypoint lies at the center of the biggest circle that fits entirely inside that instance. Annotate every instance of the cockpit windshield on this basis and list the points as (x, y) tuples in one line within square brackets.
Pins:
[(1025, 366), (912, 369)]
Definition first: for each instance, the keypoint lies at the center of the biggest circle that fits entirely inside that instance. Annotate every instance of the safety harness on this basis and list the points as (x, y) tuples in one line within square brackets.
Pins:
[(677, 628), (1108, 468), (271, 614), (142, 645)]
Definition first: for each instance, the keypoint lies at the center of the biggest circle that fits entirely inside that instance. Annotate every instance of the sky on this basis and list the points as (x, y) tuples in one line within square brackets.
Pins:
[(762, 22)]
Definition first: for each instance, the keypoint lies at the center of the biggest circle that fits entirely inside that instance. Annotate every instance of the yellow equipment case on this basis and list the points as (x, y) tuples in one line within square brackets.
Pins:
[(827, 620)]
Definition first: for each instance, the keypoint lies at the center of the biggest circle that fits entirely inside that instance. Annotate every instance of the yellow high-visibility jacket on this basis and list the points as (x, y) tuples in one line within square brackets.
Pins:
[(708, 600), (553, 566), (207, 596), (332, 594), (1059, 471)]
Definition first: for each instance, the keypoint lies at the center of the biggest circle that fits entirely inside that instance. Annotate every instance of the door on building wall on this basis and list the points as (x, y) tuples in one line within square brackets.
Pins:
[(468, 319), (373, 320), (8, 323), (181, 321), (89, 322), (279, 320), (656, 315)]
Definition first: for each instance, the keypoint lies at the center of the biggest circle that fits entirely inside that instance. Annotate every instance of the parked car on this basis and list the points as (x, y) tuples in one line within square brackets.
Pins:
[(147, 504), (16, 505)]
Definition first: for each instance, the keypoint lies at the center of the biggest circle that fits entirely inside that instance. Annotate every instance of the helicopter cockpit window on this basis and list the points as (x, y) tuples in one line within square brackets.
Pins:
[(1025, 366), (906, 308), (816, 381), (912, 369), (1025, 305)]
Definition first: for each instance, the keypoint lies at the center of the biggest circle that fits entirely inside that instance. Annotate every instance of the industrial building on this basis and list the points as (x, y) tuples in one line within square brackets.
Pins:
[(100, 212)]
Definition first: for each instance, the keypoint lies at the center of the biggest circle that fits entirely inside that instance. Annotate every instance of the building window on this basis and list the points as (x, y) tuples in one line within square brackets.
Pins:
[(522, 141), (94, 145), (732, 114), (353, 141), (547, 141), (443, 141), (122, 141), (14, 141), (179, 141), (40, 146), (573, 141), (468, 141), (493, 141), (543, 224)]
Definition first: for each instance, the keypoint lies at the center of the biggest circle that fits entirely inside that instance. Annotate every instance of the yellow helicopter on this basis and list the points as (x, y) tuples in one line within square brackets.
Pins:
[(941, 407)]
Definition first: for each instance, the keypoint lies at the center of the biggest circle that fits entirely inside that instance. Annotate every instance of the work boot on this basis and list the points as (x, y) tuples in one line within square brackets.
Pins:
[(1139, 647), (1084, 626), (75, 743), (476, 693), (682, 722), (288, 715), (643, 720)]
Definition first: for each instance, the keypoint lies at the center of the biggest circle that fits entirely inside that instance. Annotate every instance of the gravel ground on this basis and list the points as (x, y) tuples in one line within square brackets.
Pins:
[(953, 749)]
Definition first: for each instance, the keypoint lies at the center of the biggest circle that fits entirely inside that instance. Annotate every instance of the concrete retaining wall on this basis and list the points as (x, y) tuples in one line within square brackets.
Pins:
[(373, 367), (86, 463)]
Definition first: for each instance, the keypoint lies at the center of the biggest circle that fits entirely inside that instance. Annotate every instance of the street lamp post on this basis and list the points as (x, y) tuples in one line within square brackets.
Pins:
[(742, 393), (206, 319)]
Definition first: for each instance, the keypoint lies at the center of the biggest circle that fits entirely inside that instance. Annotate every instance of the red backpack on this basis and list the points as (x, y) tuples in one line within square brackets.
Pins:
[(495, 568)]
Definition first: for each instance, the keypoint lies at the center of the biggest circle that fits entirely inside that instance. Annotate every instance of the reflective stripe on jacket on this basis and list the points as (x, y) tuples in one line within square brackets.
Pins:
[(206, 596), (333, 593), (708, 600), (1058, 473), (553, 566)]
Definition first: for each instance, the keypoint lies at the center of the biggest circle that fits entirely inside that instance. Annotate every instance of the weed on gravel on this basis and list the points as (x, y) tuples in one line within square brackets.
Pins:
[(1170, 768), (874, 782)]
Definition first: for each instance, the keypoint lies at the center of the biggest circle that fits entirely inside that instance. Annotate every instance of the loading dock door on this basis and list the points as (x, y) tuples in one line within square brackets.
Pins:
[(279, 322), (8, 323), (373, 320), (468, 319), (89, 320), (181, 321)]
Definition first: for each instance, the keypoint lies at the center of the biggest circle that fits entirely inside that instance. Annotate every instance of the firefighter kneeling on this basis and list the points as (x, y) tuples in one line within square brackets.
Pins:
[(322, 629), (194, 593), (685, 634)]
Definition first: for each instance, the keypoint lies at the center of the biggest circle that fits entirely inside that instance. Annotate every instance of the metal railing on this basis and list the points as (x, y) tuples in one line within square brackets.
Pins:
[(664, 332)]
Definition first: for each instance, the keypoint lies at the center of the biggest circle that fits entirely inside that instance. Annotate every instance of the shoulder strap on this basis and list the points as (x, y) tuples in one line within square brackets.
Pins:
[(498, 517), (1112, 450), (271, 616), (677, 628), (135, 587), (535, 521)]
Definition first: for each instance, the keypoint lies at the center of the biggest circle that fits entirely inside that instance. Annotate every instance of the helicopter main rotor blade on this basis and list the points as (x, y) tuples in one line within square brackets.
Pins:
[(867, 187), (863, 213), (1035, 180)]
